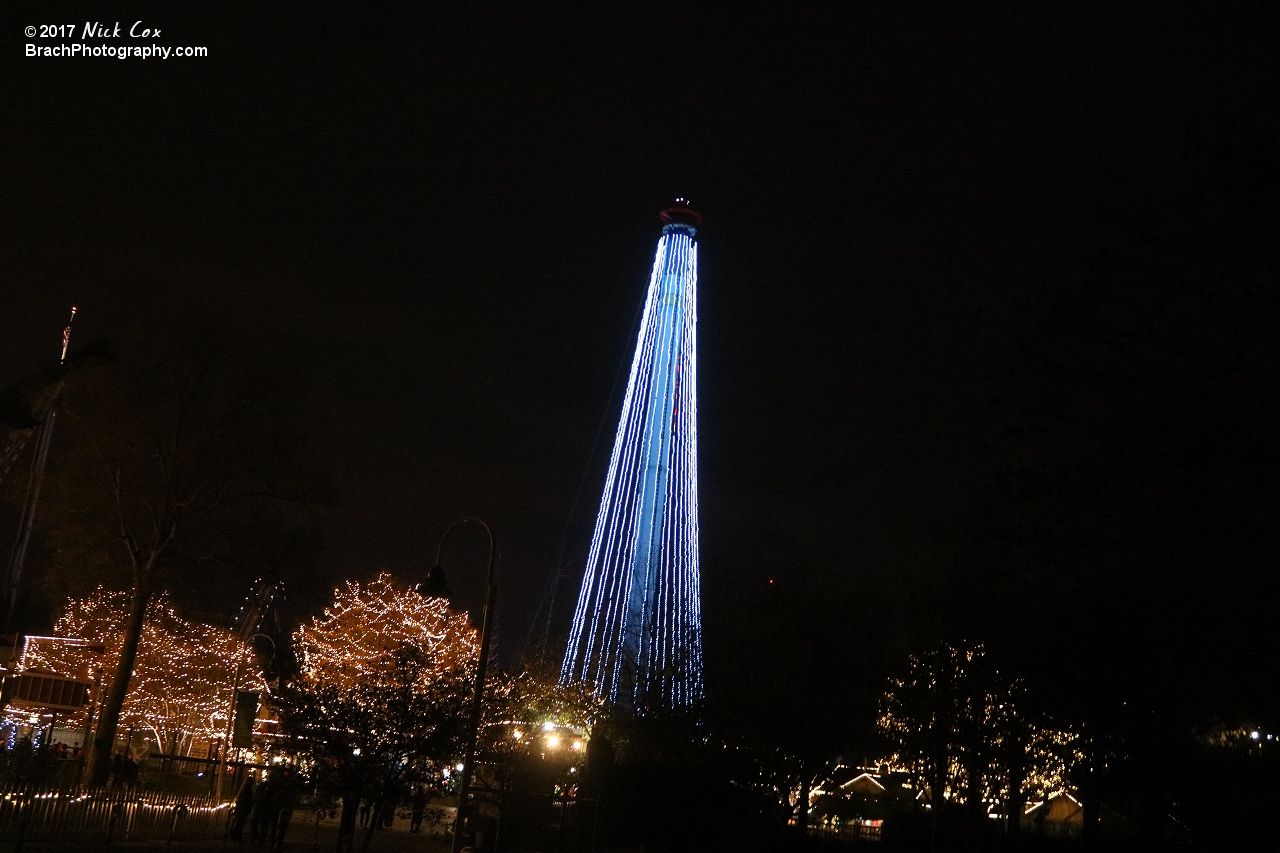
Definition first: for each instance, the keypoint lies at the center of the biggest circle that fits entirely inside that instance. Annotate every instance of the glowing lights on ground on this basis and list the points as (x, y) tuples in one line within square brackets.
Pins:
[(636, 635)]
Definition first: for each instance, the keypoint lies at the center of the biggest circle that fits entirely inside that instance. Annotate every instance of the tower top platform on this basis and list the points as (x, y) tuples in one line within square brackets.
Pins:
[(681, 213)]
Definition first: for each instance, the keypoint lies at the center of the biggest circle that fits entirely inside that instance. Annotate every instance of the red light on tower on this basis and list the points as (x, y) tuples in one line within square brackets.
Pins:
[(682, 213)]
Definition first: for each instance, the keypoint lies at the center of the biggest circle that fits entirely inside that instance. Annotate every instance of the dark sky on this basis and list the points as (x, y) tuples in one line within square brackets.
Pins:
[(442, 219)]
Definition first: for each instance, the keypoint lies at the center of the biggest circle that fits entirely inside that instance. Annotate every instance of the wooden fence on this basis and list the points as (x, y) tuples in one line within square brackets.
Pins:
[(106, 815)]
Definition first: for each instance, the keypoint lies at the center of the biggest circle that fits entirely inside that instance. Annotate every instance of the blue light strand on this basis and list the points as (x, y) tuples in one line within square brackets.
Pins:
[(603, 518)]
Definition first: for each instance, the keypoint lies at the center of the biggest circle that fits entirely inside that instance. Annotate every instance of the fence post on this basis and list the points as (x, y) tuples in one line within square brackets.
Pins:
[(25, 805), (116, 809), (133, 817), (178, 810)]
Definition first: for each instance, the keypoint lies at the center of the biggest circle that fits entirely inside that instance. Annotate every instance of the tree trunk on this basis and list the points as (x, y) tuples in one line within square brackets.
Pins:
[(937, 795), (1091, 807), (1091, 810), (376, 816), (973, 789), (347, 824), (938, 778), (109, 718), (1017, 798), (802, 818)]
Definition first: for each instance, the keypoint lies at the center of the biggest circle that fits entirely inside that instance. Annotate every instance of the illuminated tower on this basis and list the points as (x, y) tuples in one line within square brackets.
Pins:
[(637, 629)]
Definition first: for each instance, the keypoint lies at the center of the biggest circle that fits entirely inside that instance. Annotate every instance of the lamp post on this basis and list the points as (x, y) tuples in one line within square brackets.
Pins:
[(231, 709), (436, 587)]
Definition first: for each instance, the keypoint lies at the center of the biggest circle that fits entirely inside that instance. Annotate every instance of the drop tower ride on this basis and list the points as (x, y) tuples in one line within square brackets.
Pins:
[(637, 630)]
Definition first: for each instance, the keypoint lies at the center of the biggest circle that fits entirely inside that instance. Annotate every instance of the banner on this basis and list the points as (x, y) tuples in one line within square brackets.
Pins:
[(246, 713)]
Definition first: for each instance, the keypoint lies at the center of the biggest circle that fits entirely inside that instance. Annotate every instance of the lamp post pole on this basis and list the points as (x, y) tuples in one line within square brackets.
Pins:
[(477, 700), (231, 709)]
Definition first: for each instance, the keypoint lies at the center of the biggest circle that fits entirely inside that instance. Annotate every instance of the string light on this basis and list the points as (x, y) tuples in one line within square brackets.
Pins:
[(353, 640), (182, 677), (955, 695)]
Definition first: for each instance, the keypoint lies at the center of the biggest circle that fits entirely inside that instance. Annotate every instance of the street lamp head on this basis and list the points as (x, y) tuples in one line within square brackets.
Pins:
[(435, 585)]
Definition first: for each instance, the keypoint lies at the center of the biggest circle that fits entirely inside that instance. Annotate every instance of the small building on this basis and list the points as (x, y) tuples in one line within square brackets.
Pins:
[(856, 808), (1059, 815)]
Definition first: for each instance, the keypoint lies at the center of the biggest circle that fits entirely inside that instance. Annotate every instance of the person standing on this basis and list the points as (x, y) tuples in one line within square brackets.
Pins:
[(244, 807), (286, 801), (418, 804), (264, 810), (388, 807)]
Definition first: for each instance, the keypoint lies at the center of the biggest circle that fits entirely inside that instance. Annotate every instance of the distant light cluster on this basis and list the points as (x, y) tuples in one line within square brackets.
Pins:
[(954, 705), (636, 635)]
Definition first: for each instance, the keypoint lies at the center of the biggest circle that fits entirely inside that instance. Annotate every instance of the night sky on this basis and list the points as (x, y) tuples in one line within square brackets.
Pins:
[(441, 219)]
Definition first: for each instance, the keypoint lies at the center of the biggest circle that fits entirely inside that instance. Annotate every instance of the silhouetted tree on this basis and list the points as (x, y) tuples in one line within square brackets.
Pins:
[(175, 458), (965, 732), (368, 740), (1135, 525), (797, 701)]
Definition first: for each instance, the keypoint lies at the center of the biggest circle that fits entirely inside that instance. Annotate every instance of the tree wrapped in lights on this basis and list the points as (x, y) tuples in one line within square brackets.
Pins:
[(532, 698), (352, 640), (1031, 759), (385, 678), (962, 730), (178, 453), (183, 675), (516, 706)]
